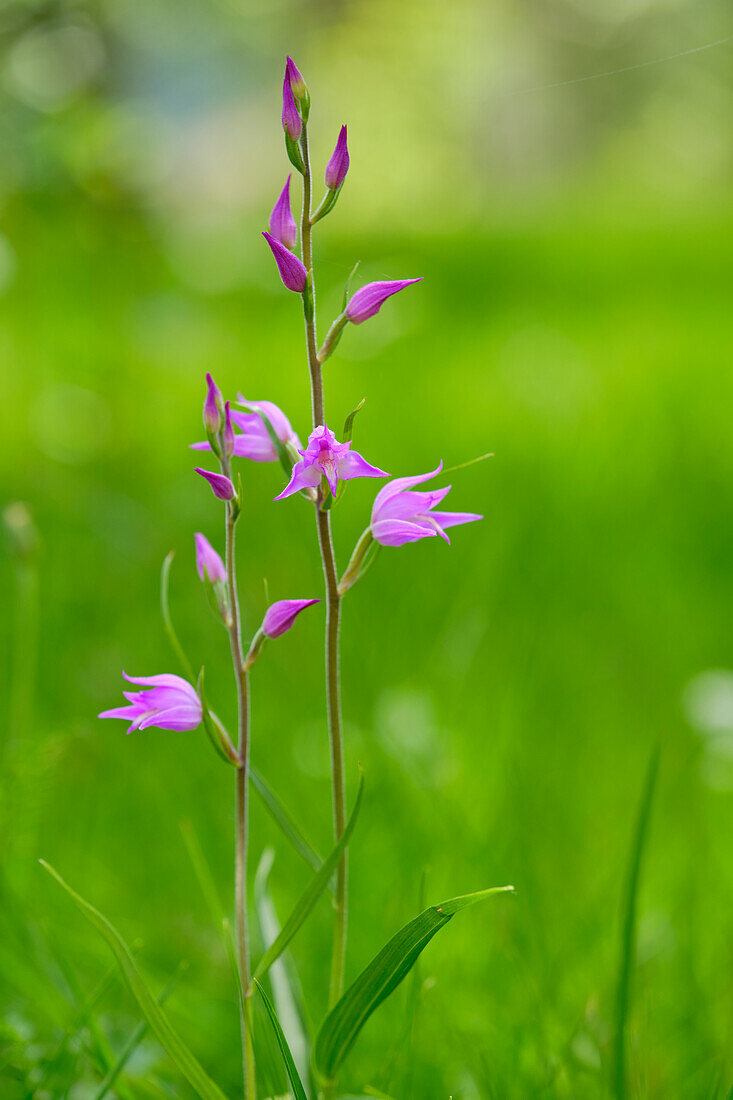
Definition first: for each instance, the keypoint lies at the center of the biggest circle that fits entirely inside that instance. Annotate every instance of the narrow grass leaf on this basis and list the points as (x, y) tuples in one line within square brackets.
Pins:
[(293, 1076), (628, 935), (168, 621), (282, 816), (311, 894), (349, 423), (168, 1038), (381, 977)]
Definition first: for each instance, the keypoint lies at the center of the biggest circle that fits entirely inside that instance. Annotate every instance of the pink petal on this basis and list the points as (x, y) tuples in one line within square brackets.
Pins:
[(352, 464), (303, 477), (398, 485), (396, 532), (453, 519)]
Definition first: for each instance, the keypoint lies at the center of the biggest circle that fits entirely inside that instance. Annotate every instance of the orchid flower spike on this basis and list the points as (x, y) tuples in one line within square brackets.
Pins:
[(292, 271), (212, 406), (295, 77), (338, 165), (208, 563), (254, 441), (368, 299), (221, 486), (326, 457), (170, 704), (401, 516), (281, 615), (282, 222)]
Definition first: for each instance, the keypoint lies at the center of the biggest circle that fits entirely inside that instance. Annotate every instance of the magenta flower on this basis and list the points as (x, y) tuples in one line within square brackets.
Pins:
[(212, 405), (401, 516), (368, 300), (281, 615), (170, 704), (292, 122), (293, 74), (325, 457), (292, 272), (221, 486), (209, 564), (254, 442), (282, 222), (338, 165)]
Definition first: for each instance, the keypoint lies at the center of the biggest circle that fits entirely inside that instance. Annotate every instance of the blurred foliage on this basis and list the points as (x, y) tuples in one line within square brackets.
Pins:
[(503, 694)]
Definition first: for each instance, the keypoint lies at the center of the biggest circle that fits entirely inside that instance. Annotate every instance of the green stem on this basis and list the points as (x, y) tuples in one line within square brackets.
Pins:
[(333, 603), (242, 790)]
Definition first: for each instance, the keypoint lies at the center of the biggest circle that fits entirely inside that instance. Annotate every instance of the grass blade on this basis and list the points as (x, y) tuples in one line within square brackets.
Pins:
[(311, 894), (295, 1082), (381, 977), (168, 621), (134, 1041), (282, 816), (168, 1038), (628, 935)]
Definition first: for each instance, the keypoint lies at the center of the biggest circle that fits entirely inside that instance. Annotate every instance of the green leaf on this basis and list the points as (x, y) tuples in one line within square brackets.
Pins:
[(349, 425), (285, 820), (347, 288), (168, 1038), (628, 939), (381, 977), (311, 894), (293, 1076)]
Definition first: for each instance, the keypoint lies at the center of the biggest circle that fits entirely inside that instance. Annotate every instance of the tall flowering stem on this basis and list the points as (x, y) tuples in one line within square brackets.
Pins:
[(333, 599), (242, 784)]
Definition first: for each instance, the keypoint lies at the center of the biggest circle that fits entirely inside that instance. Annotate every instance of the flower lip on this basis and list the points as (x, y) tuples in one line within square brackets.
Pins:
[(326, 457)]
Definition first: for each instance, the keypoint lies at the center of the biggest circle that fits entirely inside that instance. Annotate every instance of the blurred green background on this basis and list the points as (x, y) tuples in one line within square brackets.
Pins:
[(504, 694)]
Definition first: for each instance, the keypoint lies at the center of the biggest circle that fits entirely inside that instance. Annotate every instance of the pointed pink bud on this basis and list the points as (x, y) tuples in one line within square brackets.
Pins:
[(292, 122), (208, 563), (338, 165), (212, 405), (282, 222), (281, 615), (368, 300), (292, 272), (228, 432), (294, 76), (221, 486)]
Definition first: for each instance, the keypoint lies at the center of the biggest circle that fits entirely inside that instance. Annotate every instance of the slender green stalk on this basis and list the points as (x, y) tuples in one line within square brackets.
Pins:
[(628, 936), (333, 600)]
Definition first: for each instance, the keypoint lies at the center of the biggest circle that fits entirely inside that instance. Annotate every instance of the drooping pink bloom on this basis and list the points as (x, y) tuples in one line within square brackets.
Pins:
[(400, 515), (254, 441), (326, 457), (212, 404), (292, 122), (292, 271), (293, 74), (221, 486), (282, 222), (170, 704), (368, 299), (281, 615), (208, 563), (338, 165)]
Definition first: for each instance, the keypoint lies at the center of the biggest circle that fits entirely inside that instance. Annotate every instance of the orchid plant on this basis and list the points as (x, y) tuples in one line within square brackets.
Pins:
[(259, 431)]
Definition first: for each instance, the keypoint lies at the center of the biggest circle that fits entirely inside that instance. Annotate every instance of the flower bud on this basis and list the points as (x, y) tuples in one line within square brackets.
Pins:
[(208, 563), (282, 222), (292, 272), (212, 406), (291, 120), (221, 486), (228, 432), (369, 299), (281, 615), (338, 165), (295, 78)]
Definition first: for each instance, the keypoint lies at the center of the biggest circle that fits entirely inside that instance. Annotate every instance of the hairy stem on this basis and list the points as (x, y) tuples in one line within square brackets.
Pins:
[(242, 785), (333, 604)]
